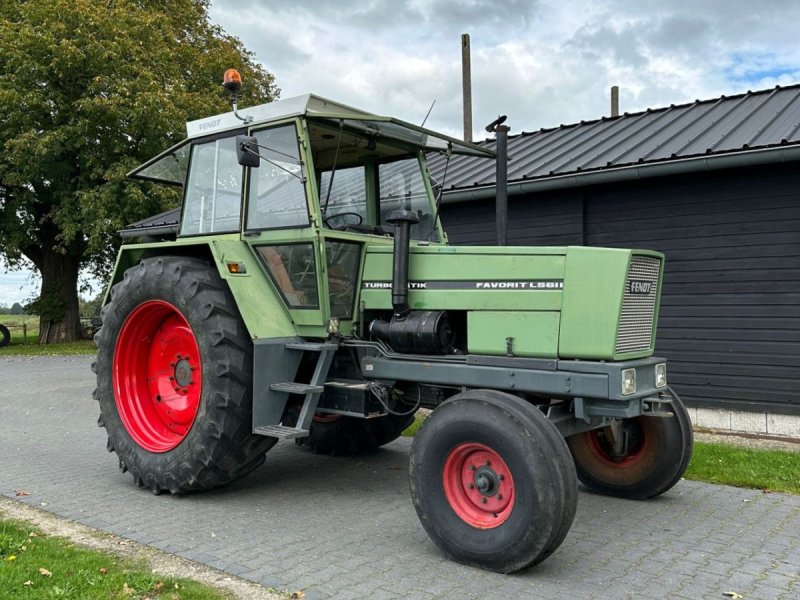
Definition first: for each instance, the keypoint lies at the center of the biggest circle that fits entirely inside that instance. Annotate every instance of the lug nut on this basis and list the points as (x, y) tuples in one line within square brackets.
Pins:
[(158, 397), (499, 496), (472, 467), (471, 486), (185, 391), (488, 463), (483, 500), (500, 476)]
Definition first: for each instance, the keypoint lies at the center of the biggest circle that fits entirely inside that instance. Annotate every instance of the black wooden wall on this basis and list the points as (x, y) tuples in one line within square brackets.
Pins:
[(730, 311)]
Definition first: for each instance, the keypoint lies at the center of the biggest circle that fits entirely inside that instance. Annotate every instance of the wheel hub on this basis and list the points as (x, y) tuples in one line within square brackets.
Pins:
[(183, 372), (487, 482)]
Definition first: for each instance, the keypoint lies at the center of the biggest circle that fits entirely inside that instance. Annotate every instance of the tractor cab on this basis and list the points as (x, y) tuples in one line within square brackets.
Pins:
[(307, 183)]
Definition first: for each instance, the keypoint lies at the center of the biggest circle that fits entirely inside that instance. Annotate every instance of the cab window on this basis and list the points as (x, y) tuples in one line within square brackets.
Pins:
[(277, 191), (213, 196), (345, 202), (402, 187)]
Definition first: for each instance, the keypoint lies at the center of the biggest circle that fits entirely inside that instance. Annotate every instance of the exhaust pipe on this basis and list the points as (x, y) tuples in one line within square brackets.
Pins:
[(402, 221)]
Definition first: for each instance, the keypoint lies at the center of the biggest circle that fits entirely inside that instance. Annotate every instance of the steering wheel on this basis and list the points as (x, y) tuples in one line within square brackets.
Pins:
[(327, 220)]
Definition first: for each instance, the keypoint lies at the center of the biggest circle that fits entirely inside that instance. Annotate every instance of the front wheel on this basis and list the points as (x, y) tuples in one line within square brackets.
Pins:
[(492, 481), (174, 378), (653, 456)]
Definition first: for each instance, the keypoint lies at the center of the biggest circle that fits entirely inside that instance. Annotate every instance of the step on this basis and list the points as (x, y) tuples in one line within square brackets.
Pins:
[(296, 388), (281, 432), (311, 346)]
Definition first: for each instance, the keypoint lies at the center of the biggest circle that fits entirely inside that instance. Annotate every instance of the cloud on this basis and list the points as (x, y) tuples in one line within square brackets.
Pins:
[(543, 62)]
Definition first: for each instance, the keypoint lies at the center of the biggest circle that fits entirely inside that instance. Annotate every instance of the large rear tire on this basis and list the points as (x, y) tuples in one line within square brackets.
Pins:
[(492, 481), (657, 454), (174, 378), (5, 336)]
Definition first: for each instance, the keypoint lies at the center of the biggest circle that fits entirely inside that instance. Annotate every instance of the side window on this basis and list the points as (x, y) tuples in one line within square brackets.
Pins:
[(277, 194), (343, 263), (212, 202), (347, 203), (294, 271), (402, 187)]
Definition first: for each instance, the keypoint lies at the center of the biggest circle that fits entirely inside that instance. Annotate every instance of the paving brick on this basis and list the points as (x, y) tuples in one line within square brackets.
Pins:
[(346, 528)]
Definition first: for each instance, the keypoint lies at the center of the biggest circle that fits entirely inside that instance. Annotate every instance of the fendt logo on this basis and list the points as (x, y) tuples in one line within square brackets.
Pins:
[(640, 287), (209, 124)]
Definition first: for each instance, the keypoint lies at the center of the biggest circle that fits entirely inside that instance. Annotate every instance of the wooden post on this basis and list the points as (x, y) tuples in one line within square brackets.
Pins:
[(24, 333)]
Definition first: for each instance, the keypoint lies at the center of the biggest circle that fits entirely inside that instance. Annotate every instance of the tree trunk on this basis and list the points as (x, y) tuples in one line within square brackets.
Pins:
[(59, 318)]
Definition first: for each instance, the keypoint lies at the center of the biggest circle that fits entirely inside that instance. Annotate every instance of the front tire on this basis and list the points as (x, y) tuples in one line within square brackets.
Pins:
[(174, 378), (492, 481), (657, 454)]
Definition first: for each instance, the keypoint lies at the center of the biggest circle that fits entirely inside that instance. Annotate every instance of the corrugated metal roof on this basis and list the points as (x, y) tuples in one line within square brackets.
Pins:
[(752, 122), (730, 124)]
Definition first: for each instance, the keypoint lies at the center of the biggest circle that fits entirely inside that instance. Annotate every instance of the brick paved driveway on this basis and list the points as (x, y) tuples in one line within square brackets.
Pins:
[(345, 528)]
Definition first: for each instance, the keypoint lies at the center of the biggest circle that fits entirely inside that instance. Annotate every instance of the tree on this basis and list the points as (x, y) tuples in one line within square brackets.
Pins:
[(89, 90), (16, 309)]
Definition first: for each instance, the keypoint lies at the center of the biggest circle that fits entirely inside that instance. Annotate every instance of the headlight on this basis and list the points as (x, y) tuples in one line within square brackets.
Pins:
[(661, 375), (628, 381)]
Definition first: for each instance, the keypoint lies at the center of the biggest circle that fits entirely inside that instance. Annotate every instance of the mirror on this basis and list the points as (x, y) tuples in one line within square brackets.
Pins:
[(247, 151)]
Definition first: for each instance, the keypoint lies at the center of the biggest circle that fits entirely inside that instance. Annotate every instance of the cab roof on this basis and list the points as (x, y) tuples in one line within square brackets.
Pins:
[(316, 107)]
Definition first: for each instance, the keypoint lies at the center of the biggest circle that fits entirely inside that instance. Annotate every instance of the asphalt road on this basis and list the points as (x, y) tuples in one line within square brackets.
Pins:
[(346, 528)]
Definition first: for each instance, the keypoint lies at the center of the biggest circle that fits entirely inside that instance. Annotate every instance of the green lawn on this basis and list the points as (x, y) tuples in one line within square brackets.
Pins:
[(772, 470), (33, 565), (19, 346)]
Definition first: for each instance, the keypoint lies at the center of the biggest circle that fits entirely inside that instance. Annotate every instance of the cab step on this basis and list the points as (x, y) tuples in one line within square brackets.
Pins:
[(292, 387), (282, 432)]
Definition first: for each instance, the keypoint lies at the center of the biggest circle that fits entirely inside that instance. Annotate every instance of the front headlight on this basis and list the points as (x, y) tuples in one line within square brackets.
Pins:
[(661, 375), (628, 381)]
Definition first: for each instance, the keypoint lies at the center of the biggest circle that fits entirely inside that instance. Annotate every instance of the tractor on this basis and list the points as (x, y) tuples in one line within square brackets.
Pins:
[(310, 294)]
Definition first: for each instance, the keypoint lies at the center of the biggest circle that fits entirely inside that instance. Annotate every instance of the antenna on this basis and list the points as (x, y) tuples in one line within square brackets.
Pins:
[(429, 113)]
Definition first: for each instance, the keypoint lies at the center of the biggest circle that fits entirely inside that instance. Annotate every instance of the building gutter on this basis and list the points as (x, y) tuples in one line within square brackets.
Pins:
[(682, 166)]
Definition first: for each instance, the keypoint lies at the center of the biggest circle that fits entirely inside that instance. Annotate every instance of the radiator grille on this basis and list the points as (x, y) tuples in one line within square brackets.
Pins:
[(636, 324)]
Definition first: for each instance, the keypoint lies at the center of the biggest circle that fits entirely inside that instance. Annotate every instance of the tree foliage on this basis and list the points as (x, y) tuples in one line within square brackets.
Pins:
[(89, 89)]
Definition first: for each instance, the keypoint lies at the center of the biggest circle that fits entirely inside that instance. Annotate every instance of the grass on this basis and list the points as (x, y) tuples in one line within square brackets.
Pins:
[(33, 565), (19, 346), (772, 470)]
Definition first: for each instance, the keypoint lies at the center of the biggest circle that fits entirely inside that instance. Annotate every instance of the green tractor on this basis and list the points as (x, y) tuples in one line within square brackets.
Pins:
[(310, 294)]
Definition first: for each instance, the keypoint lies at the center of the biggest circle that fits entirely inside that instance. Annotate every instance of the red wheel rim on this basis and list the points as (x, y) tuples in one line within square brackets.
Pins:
[(478, 485), (157, 376), (600, 447)]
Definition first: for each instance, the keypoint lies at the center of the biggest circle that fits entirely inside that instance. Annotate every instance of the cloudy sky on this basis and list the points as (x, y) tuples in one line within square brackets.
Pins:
[(541, 62)]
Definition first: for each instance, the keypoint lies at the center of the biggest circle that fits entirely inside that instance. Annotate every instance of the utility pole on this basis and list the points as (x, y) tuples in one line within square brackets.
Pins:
[(614, 101), (466, 84)]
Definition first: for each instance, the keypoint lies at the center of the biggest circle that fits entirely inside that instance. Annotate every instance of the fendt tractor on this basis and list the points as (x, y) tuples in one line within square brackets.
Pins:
[(310, 295)]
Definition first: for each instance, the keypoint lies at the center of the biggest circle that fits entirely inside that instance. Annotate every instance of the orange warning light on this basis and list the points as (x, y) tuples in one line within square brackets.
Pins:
[(232, 81)]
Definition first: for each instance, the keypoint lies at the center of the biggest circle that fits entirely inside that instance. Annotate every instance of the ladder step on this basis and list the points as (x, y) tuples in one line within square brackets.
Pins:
[(281, 432), (296, 388), (311, 346)]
